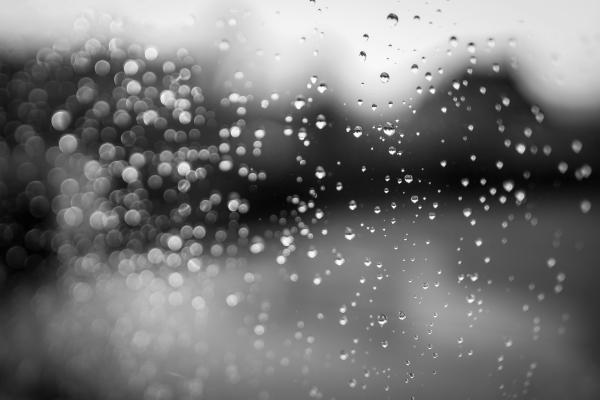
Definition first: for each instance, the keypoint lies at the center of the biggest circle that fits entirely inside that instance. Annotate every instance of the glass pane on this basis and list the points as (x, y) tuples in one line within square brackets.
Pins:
[(311, 199)]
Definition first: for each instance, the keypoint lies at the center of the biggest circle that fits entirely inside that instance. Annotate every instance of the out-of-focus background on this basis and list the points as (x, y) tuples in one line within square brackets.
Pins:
[(308, 199)]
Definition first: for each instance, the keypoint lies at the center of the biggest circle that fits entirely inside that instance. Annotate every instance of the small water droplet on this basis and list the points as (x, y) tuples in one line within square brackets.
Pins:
[(321, 121), (317, 280), (585, 206), (349, 234), (389, 129), (320, 172), (382, 319), (300, 102)]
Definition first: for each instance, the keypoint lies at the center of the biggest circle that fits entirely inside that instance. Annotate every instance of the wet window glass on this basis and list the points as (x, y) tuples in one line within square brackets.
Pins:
[(304, 200)]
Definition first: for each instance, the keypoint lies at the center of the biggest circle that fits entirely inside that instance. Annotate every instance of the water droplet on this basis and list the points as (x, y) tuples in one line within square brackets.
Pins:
[(363, 55), (321, 121), (585, 206), (61, 120), (385, 77), (392, 19), (508, 185), (343, 355), (287, 240), (300, 102), (389, 129), (317, 280), (320, 172), (349, 234), (257, 245), (224, 45)]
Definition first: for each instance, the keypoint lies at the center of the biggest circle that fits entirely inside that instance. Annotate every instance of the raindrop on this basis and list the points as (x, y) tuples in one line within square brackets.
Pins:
[(320, 172), (339, 260), (585, 206), (317, 280), (61, 120), (300, 102), (321, 121), (388, 129), (343, 355), (349, 234), (392, 19)]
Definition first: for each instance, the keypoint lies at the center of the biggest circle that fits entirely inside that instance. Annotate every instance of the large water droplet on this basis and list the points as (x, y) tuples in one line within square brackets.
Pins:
[(392, 19)]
